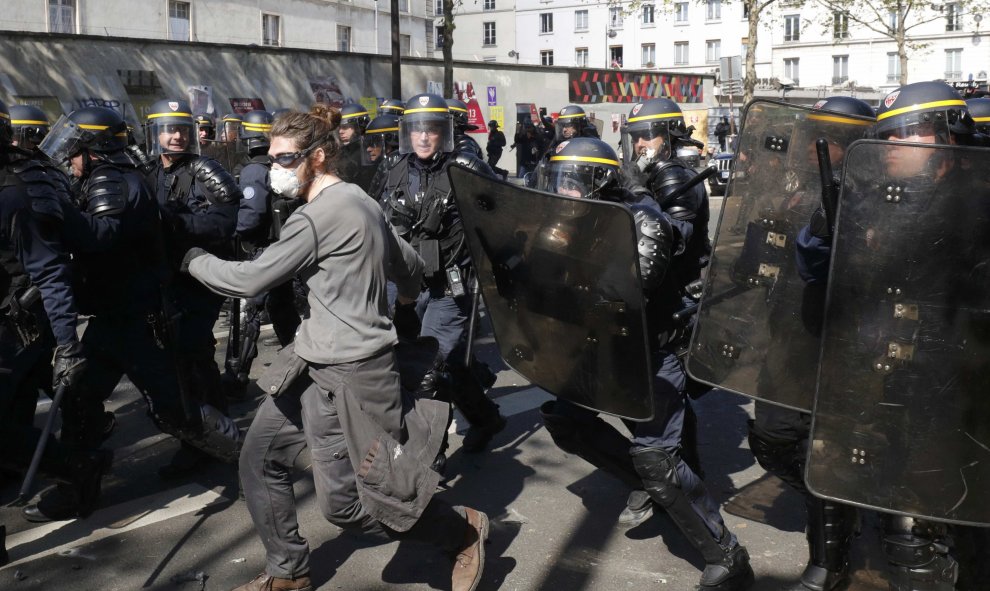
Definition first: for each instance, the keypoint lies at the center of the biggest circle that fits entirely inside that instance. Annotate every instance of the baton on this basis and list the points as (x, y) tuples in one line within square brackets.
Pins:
[(472, 322), (696, 179), (829, 190), (39, 451)]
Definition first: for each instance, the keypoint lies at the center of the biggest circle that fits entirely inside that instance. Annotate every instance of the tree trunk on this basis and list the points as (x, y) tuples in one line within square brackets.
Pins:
[(902, 55), (749, 82), (448, 48)]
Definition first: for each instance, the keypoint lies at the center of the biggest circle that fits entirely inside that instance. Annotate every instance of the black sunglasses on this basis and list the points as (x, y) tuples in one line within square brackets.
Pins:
[(287, 159)]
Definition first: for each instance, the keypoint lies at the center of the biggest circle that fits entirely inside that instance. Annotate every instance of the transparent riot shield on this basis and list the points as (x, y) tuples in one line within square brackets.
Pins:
[(560, 280), (901, 420), (226, 154), (757, 329)]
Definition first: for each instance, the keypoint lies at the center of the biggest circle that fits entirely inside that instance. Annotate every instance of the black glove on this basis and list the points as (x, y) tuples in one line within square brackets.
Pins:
[(819, 225), (406, 321), (190, 255), (67, 365)]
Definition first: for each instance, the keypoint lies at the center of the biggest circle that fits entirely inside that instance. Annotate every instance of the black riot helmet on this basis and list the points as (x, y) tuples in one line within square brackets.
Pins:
[(925, 108), (392, 107), (255, 127), (171, 129), (459, 112), (381, 138), (571, 123), (6, 132), (94, 130), (426, 128), (979, 109), (582, 167), (30, 125), (230, 128), (656, 118), (840, 120), (281, 111), (207, 122), (356, 116)]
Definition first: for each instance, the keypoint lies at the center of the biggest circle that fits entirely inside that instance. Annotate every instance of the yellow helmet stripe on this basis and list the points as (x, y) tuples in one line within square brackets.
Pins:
[(231, 120), (257, 126), (571, 116), (453, 108), (918, 107), (4, 116), (349, 115), (392, 108), (27, 122), (658, 116), (584, 159), (981, 119), (838, 119), (157, 115), (427, 110), (93, 127), (382, 130)]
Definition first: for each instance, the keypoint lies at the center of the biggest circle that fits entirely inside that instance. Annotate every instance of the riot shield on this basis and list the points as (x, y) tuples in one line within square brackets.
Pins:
[(560, 280), (223, 152), (901, 420), (758, 325)]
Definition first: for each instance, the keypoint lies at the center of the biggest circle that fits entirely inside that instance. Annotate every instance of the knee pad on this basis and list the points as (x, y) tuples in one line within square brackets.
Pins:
[(783, 459), (658, 469)]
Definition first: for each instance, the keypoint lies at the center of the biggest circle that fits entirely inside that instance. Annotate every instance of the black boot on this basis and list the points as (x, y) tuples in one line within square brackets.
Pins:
[(480, 411), (79, 492), (186, 461), (4, 557), (726, 563)]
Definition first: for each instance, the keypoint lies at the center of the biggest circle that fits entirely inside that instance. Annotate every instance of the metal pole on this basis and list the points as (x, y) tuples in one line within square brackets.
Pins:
[(377, 48), (396, 71)]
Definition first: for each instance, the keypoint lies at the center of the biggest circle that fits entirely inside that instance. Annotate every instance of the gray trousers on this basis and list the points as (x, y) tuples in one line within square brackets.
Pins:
[(307, 415)]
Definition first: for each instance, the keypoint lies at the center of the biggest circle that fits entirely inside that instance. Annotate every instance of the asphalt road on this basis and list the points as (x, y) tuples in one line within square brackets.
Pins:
[(553, 516)]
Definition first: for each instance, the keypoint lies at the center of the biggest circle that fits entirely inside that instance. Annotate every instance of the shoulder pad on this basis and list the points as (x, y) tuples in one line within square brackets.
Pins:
[(391, 160), (40, 188), (106, 192), (219, 185), (473, 162), (655, 239)]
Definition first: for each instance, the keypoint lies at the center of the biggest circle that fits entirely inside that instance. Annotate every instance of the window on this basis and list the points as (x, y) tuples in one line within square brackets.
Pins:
[(580, 20), (649, 55), (438, 7), (343, 38), (615, 17), (648, 14), (743, 46), (893, 67), (681, 12), (953, 17), (840, 25), (840, 69), (438, 35), (681, 52), (792, 27), (405, 45), (953, 64), (403, 5), (489, 34), (488, 58), (581, 57), (714, 12), (713, 50), (892, 20), (62, 16), (791, 70), (178, 21), (546, 22), (270, 30), (546, 57), (615, 56), (489, 5)]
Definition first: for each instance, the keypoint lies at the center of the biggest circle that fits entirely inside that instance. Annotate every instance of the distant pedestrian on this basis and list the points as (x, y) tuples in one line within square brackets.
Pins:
[(722, 130), (496, 143)]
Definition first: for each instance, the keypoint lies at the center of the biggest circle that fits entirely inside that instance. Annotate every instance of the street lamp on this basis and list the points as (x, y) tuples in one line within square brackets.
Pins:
[(609, 34)]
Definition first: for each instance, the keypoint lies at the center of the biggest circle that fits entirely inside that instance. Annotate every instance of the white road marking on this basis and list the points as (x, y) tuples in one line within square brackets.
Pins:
[(63, 536)]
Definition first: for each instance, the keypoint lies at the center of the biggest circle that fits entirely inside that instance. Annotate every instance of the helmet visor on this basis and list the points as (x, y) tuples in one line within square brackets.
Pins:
[(426, 135), (172, 136), (66, 139), (574, 179), (30, 134), (839, 131), (644, 139), (568, 128)]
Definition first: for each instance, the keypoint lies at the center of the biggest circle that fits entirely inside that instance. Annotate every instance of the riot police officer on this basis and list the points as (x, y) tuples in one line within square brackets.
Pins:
[(462, 141), (653, 131), (381, 143), (354, 165), (920, 552), (416, 196), (39, 312), (654, 459), (259, 220), (392, 107), (572, 122), (30, 126), (778, 436), (198, 201), (207, 125)]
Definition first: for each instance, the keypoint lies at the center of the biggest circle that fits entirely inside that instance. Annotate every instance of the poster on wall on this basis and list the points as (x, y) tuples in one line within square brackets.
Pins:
[(48, 104), (699, 119), (246, 105), (464, 91), (201, 99), (370, 104), (326, 90), (498, 114), (609, 86)]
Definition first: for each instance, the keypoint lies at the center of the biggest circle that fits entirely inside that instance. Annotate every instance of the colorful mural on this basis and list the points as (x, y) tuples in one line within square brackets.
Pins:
[(610, 86)]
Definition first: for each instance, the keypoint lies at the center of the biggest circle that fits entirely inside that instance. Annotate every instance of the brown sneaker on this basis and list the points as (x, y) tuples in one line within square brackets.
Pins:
[(266, 582), (470, 561)]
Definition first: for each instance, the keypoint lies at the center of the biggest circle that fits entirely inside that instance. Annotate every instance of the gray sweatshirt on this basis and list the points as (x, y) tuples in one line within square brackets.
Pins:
[(345, 250)]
